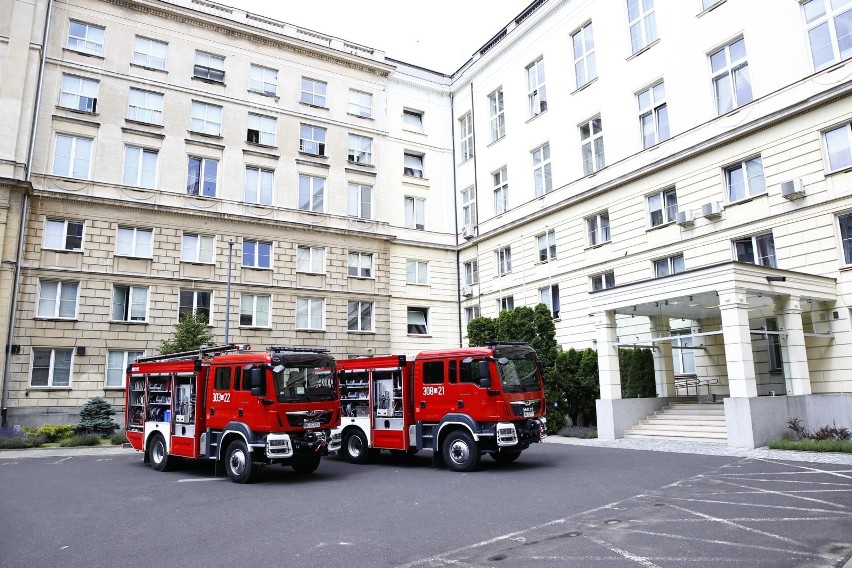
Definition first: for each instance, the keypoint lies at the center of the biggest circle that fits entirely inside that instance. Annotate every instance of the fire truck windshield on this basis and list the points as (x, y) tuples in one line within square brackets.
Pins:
[(304, 383), (518, 372)]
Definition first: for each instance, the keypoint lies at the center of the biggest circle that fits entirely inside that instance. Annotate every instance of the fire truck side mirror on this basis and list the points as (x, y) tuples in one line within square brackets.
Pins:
[(256, 380), (484, 375)]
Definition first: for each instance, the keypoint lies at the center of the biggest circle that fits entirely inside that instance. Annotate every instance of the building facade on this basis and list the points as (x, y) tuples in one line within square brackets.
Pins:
[(671, 175)]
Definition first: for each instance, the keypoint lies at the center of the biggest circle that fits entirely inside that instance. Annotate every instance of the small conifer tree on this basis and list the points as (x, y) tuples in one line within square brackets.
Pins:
[(96, 418)]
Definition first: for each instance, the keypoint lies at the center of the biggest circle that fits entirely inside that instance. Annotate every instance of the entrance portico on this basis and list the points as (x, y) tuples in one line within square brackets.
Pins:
[(722, 308)]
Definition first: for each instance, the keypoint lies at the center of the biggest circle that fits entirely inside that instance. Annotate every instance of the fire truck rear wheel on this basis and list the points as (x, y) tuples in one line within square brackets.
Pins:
[(355, 447), (461, 452), (306, 463), (238, 462), (506, 456), (157, 453)]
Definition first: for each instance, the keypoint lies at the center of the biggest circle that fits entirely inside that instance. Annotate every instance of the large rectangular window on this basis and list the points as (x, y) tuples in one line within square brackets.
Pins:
[(731, 81), (597, 228), (196, 302), (592, 145), (497, 115), (257, 254), (360, 103), (134, 242), (209, 67), (505, 303), (412, 120), (313, 92), (310, 259), (643, 23), (662, 207), (838, 147), (51, 367), (263, 80), (537, 90), (682, 354), (546, 246), (261, 129), (87, 38), (360, 149), (145, 106), (501, 191), (129, 303), (758, 249), (140, 167), (653, 115), (360, 264), (360, 201), (603, 281), (255, 310), (829, 25), (583, 42), (417, 272), (258, 186), (549, 296), (360, 316), (310, 313), (116, 367), (198, 248), (468, 210), (205, 118), (79, 93), (57, 299), (418, 321), (149, 52), (415, 213), (72, 156), (466, 136), (202, 176), (471, 272), (745, 179), (504, 261), (312, 140), (845, 222), (311, 194), (669, 265), (412, 165), (62, 234), (542, 179)]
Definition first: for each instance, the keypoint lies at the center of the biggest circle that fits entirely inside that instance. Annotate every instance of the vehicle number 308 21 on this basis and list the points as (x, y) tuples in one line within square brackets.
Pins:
[(433, 391)]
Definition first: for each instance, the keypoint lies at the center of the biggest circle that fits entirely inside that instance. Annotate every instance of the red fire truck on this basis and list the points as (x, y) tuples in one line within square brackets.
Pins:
[(459, 403), (242, 409)]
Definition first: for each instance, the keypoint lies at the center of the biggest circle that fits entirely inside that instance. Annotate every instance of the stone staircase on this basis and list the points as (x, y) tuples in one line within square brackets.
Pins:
[(688, 421)]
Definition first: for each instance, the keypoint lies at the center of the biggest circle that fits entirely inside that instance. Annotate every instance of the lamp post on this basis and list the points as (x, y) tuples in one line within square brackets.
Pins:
[(228, 294)]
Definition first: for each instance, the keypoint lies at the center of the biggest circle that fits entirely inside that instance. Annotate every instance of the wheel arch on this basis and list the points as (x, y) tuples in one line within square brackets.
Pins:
[(347, 429), (452, 422), (234, 431)]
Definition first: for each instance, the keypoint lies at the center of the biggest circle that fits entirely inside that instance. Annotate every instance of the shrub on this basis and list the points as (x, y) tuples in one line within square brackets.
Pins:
[(811, 445), (118, 439), (96, 418), (51, 432), (799, 431), (81, 440), (831, 433), (16, 439)]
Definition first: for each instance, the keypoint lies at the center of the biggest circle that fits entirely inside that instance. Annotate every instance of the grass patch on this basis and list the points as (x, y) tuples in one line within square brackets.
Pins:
[(118, 439), (81, 440), (811, 445), (586, 432), (18, 441)]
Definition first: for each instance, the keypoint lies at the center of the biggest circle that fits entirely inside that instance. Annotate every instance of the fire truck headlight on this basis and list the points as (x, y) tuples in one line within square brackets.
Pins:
[(507, 435), (278, 445)]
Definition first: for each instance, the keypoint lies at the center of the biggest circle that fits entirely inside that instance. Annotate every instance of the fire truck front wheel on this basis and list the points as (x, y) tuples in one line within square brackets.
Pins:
[(506, 456), (238, 462), (355, 447), (157, 453), (306, 463), (461, 452)]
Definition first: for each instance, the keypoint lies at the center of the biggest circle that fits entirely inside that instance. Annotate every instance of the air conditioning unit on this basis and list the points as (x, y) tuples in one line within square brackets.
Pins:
[(467, 291), (685, 217), (467, 232), (711, 210), (793, 189)]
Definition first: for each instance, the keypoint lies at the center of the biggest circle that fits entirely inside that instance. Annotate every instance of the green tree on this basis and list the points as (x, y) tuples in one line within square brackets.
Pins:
[(637, 373), (96, 418), (191, 332), (480, 330)]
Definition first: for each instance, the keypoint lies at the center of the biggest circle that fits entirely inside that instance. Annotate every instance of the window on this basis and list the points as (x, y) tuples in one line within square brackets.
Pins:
[(360, 201), (194, 302), (838, 146), (360, 103), (591, 140), (79, 93), (311, 193), (584, 55), (312, 140), (202, 176), (310, 313), (257, 254), (313, 92), (670, 265), (829, 31), (261, 129), (504, 261), (662, 207), (549, 296), (415, 213), (412, 165), (149, 52), (145, 106), (412, 120), (51, 367), (537, 90), (206, 119), (643, 23), (546, 246), (263, 80), (116, 367), (501, 191), (60, 234), (258, 186), (773, 345), (845, 222), (209, 67), (360, 316), (360, 149), (417, 272), (505, 303), (129, 303), (745, 179), (707, 4), (682, 354), (254, 310), (57, 299), (598, 228), (731, 82), (310, 259), (653, 115), (134, 242), (418, 319), (603, 281), (86, 38), (198, 248), (222, 381), (468, 208), (360, 264), (759, 249), (470, 313), (471, 272), (140, 167), (542, 179), (72, 156), (466, 135), (497, 114)]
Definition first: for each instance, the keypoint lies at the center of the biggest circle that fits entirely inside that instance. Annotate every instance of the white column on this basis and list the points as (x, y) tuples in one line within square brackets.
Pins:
[(608, 372), (733, 306), (663, 365), (788, 312)]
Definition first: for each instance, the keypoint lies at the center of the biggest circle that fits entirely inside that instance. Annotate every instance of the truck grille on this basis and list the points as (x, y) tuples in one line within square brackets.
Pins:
[(300, 418), (526, 408)]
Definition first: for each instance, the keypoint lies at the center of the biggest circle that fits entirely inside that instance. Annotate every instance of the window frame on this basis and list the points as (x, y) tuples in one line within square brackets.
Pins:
[(597, 232), (156, 110), (748, 191), (202, 242), (57, 299), (195, 308), (536, 88), (500, 180), (673, 264), (471, 313), (51, 368), (312, 140), (129, 303), (415, 164), (754, 242), (468, 207), (727, 73), (547, 252), (313, 92), (360, 258), (74, 157), (310, 303), (258, 193), (97, 47), (263, 128), (497, 114), (505, 303), (504, 260), (140, 178), (602, 281), (583, 50), (360, 147), (203, 67), (79, 93), (66, 226), (828, 18), (358, 107), (549, 296), (542, 174), (308, 257), (667, 208), (655, 110), (845, 150), (592, 145), (466, 136), (257, 255), (639, 21), (414, 123), (470, 269), (417, 272), (205, 118), (202, 185), (845, 235), (412, 328), (259, 85), (359, 317), (357, 204), (122, 371), (311, 196), (134, 251), (417, 212), (149, 57), (255, 314)]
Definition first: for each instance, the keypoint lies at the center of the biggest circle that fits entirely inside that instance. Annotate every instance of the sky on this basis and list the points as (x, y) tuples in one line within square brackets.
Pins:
[(440, 35)]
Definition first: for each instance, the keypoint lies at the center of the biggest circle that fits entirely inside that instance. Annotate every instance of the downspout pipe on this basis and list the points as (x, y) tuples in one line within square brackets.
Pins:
[(25, 211), (456, 215)]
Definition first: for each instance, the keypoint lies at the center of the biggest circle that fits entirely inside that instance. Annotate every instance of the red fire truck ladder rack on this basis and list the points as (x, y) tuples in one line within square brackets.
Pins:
[(282, 348), (195, 353)]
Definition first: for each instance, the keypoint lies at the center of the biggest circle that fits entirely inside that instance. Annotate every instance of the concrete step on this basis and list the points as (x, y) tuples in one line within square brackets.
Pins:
[(681, 427), (702, 417), (678, 438), (693, 411), (675, 433)]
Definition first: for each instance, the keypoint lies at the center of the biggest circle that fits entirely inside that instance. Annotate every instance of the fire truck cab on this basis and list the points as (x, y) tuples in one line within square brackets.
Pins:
[(458, 403), (242, 409)]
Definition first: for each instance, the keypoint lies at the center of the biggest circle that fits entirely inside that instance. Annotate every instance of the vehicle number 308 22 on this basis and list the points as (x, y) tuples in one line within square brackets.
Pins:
[(221, 397), (433, 391)]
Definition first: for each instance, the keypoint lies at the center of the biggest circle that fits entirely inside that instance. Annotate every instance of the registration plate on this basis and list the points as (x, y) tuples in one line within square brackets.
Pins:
[(528, 413), (312, 424)]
